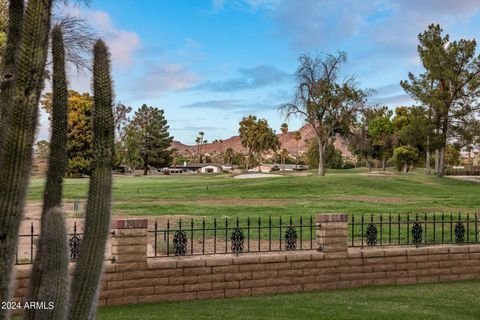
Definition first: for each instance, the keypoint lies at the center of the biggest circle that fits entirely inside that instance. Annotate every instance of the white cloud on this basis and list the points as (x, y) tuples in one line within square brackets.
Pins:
[(165, 77), (122, 43)]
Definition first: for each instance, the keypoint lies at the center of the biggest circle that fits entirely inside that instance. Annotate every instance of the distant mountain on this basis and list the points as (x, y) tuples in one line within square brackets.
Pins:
[(287, 141)]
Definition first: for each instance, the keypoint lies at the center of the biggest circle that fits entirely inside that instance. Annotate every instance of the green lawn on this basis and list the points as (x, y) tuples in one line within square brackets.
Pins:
[(347, 191), (458, 300)]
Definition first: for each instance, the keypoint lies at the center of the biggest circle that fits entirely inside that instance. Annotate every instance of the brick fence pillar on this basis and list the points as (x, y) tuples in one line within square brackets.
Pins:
[(332, 233), (129, 244)]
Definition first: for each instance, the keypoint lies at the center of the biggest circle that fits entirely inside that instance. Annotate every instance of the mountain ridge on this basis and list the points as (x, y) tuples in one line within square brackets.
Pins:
[(286, 139)]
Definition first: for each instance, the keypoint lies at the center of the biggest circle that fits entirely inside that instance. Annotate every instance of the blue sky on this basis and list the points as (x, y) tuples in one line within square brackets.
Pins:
[(209, 63)]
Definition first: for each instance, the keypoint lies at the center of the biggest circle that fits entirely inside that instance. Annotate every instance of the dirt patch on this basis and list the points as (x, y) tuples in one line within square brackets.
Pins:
[(371, 199), (225, 202)]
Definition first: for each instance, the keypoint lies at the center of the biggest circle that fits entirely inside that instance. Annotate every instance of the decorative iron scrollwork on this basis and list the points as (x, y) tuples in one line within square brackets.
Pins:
[(371, 234), (74, 247), (459, 232), (180, 243), (290, 238), (237, 239), (417, 233)]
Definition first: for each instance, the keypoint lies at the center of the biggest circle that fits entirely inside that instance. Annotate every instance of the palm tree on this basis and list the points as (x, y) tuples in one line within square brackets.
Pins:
[(198, 140), (297, 136), (284, 128)]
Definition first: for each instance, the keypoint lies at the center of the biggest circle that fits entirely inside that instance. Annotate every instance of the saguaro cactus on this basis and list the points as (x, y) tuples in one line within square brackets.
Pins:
[(57, 164), (97, 221), (25, 66), (15, 19), (18, 129), (53, 287)]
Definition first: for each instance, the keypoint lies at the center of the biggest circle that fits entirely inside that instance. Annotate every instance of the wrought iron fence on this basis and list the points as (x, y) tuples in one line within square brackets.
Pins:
[(413, 229), (224, 236), (27, 243)]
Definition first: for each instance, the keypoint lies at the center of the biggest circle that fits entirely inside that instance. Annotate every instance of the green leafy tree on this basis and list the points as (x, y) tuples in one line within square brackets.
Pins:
[(360, 141), (80, 132), (413, 127), (450, 85), (452, 155), (257, 137), (333, 157), (403, 156), (327, 104), (155, 140), (41, 150), (128, 149), (380, 131)]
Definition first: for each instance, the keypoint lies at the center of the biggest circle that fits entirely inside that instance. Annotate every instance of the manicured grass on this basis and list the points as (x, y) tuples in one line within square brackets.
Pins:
[(436, 301), (346, 191)]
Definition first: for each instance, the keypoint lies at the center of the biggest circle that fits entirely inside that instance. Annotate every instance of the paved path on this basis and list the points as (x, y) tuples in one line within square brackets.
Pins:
[(466, 178)]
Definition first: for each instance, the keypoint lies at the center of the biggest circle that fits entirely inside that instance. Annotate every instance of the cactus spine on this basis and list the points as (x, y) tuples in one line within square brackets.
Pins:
[(53, 287), (87, 274), (57, 164), (18, 131)]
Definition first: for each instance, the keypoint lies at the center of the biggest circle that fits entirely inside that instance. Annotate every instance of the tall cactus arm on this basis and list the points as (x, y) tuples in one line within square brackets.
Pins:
[(15, 18), (57, 163), (97, 221), (16, 163), (54, 283)]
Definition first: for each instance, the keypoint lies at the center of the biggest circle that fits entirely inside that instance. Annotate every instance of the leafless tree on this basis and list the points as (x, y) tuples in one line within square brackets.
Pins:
[(328, 104)]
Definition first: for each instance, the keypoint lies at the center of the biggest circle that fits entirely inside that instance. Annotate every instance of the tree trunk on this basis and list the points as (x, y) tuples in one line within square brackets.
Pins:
[(321, 158), (441, 162), (405, 167), (427, 157), (247, 163), (427, 163), (437, 156), (384, 163)]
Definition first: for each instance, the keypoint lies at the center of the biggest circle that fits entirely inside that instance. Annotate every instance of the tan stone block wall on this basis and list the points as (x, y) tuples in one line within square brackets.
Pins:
[(134, 278)]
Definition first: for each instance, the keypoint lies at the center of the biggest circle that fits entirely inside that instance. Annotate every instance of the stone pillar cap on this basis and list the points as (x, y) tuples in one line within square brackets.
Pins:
[(130, 224), (332, 217)]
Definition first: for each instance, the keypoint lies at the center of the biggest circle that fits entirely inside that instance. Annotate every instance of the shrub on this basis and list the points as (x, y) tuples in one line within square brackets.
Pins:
[(348, 165)]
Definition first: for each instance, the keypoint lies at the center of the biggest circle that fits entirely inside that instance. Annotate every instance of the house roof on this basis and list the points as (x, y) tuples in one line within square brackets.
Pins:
[(195, 166)]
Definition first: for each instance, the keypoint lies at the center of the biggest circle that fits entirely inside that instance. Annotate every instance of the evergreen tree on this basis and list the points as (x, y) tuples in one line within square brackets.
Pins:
[(450, 85), (155, 139)]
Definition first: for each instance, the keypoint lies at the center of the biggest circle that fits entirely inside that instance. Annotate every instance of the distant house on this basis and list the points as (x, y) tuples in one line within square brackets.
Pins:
[(195, 168), (276, 167)]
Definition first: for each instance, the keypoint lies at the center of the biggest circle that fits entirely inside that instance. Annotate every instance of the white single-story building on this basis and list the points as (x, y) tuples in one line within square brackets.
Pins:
[(210, 168), (195, 168)]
